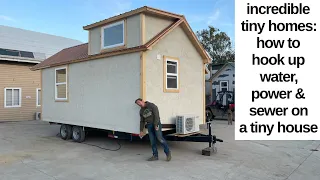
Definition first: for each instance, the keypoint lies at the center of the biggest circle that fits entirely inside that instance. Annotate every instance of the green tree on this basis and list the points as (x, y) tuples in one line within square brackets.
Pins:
[(217, 44)]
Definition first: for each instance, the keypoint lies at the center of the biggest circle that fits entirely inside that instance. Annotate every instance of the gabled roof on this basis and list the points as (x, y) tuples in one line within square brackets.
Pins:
[(66, 55), (221, 69), (144, 9), (81, 52)]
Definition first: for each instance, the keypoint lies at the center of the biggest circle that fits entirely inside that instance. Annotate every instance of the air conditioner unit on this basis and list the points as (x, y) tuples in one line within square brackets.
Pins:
[(186, 124), (38, 115)]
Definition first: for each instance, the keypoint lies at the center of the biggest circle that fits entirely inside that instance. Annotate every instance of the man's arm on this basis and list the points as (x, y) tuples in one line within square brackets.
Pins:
[(155, 111), (141, 123)]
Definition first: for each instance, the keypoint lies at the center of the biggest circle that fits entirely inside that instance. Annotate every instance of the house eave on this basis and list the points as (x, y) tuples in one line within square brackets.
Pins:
[(19, 59), (95, 57)]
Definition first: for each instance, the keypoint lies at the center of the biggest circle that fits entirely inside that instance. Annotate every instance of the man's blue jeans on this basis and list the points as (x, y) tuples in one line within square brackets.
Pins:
[(155, 135)]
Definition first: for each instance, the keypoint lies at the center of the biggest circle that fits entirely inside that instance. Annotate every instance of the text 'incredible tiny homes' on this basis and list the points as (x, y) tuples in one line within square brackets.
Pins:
[(147, 53)]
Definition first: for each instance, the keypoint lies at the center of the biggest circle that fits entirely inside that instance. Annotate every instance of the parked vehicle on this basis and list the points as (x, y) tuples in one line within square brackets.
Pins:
[(219, 107)]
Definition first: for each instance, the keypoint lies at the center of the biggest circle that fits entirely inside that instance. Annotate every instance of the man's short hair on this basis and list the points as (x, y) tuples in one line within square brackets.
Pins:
[(139, 99)]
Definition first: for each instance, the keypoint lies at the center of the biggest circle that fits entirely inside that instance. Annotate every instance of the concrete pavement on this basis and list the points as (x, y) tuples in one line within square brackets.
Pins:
[(32, 150)]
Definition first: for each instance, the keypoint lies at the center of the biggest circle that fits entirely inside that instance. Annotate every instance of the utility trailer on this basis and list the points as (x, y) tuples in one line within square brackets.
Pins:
[(78, 134)]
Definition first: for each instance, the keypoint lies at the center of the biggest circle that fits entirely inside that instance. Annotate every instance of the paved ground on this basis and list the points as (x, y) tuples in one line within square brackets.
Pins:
[(32, 150)]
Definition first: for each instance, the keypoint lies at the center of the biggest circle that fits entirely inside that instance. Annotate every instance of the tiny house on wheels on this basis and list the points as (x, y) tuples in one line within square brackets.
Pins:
[(146, 53)]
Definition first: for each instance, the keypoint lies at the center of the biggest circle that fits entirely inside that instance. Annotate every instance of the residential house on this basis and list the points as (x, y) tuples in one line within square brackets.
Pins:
[(222, 79), (20, 88), (146, 52)]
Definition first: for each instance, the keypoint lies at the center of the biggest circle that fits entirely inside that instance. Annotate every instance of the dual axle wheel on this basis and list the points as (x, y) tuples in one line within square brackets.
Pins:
[(77, 133)]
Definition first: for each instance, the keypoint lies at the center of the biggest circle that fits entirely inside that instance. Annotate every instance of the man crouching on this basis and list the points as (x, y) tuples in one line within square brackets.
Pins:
[(149, 115)]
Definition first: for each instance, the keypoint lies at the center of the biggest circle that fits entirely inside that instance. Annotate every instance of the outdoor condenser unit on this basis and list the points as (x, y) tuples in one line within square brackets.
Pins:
[(186, 124), (38, 115)]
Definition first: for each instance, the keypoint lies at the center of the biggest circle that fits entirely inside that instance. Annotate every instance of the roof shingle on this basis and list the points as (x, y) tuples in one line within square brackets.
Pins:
[(66, 55)]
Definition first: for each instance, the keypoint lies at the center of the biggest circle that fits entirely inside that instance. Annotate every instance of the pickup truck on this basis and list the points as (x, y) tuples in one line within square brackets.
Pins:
[(220, 106)]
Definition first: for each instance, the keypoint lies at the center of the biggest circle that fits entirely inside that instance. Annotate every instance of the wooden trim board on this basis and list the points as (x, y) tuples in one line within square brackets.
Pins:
[(143, 75), (142, 28), (204, 94)]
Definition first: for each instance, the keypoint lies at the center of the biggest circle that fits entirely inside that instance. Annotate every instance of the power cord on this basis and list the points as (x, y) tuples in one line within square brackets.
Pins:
[(58, 135), (105, 148)]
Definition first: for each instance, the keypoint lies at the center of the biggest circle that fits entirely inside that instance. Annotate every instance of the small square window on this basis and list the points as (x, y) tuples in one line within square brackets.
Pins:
[(12, 97), (224, 86), (113, 35)]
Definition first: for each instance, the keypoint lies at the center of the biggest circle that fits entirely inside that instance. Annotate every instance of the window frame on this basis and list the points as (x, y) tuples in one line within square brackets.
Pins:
[(5, 97), (56, 84), (37, 97), (166, 74), (224, 87), (103, 47)]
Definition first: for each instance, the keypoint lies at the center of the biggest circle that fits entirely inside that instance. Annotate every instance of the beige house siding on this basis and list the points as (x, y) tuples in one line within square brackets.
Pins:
[(133, 31), (17, 75), (154, 25), (189, 99), (94, 45), (132, 35)]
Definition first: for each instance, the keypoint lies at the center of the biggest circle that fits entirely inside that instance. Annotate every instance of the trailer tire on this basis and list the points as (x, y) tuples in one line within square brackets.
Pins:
[(78, 134), (209, 115), (65, 131)]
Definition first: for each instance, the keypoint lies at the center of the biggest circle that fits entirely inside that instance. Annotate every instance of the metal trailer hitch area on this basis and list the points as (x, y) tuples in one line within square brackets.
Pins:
[(171, 135), (198, 137), (213, 139)]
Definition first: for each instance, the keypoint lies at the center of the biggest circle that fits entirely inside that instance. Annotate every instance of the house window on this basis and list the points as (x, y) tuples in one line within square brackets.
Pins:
[(12, 97), (113, 35), (38, 97), (61, 84), (223, 85), (171, 74)]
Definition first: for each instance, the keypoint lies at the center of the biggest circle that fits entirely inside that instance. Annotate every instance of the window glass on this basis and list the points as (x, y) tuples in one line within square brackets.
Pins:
[(9, 97), (171, 67), (62, 91), (113, 35), (61, 75), (172, 81), (16, 97)]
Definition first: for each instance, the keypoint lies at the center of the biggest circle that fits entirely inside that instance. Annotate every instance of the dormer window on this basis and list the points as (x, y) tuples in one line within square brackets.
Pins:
[(113, 35)]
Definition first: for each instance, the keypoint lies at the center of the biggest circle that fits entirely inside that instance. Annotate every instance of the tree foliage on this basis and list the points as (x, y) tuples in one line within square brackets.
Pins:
[(217, 44)]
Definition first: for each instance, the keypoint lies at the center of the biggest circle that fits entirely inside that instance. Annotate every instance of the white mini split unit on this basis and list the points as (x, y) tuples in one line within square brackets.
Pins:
[(38, 115), (186, 124)]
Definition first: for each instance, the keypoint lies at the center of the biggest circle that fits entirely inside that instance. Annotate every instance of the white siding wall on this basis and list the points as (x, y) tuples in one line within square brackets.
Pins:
[(101, 94)]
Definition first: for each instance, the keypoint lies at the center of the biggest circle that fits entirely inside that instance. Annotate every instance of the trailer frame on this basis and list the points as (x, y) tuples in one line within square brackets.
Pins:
[(169, 135)]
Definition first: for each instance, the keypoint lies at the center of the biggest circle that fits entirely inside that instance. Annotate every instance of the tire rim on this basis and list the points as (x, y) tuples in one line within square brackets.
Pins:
[(63, 131), (209, 115), (76, 133)]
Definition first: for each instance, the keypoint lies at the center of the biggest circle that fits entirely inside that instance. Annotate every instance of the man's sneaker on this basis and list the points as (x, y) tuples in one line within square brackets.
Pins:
[(153, 158), (169, 156)]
